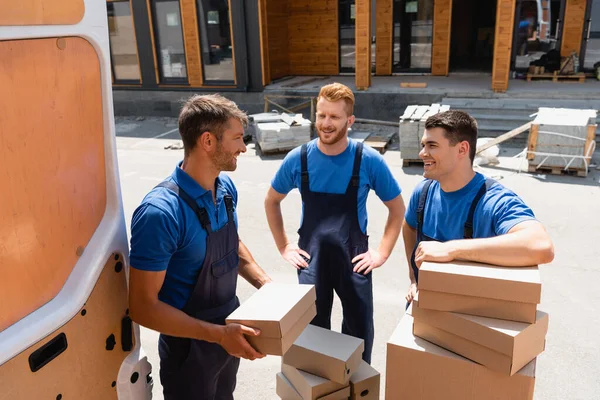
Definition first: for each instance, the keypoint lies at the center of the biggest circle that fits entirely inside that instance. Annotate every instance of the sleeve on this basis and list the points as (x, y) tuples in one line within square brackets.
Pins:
[(283, 181), (509, 211), (154, 236), (413, 203), (382, 181)]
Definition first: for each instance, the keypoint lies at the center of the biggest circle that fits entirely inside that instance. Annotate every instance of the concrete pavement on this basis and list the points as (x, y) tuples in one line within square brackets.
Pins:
[(568, 206)]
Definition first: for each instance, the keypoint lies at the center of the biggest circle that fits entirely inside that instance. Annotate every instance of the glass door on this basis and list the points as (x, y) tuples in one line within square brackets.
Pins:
[(168, 37), (215, 41), (347, 23), (413, 35), (538, 30), (590, 48)]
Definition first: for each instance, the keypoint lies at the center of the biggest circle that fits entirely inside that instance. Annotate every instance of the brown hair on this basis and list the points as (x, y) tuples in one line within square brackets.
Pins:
[(458, 126), (206, 113), (336, 92)]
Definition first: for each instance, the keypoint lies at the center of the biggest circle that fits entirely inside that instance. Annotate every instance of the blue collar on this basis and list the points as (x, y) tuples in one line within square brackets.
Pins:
[(193, 188)]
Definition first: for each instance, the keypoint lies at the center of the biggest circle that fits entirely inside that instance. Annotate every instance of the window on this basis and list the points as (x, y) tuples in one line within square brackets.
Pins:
[(168, 34), (215, 41), (592, 44), (123, 47), (413, 35), (347, 21)]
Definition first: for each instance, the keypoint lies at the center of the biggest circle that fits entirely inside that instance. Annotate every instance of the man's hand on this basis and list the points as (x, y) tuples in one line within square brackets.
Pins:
[(412, 292), (368, 261), (234, 342), (434, 251), (294, 255)]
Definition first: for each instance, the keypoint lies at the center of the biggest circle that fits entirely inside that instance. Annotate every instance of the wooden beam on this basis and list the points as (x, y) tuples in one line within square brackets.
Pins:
[(504, 137), (363, 44), (442, 27), (572, 32), (505, 17), (264, 42), (384, 33), (191, 40)]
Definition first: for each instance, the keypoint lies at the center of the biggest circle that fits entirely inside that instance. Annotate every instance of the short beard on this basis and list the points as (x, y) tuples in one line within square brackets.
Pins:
[(336, 138), (222, 160)]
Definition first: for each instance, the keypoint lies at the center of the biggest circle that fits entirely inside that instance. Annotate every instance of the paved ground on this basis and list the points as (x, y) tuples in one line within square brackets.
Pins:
[(568, 206)]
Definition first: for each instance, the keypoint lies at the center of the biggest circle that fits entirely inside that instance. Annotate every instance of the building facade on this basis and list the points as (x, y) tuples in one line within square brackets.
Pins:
[(244, 45)]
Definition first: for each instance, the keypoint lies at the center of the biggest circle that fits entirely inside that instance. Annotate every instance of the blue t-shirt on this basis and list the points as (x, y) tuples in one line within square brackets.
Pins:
[(166, 233), (331, 174), (445, 215)]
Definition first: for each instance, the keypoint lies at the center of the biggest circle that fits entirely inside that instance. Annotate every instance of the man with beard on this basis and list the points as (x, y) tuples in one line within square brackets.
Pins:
[(459, 214), (186, 256), (334, 175)]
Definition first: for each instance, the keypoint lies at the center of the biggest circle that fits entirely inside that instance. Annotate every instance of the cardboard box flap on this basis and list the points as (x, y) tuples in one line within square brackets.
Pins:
[(365, 381), (403, 337), (284, 389), (482, 280), (342, 394), (329, 354), (275, 308), (496, 334), (309, 386)]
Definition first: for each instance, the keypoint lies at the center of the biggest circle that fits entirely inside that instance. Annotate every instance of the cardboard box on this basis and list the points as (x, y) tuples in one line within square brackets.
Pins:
[(418, 369), (284, 389), (504, 346), (342, 394), (364, 383), (278, 346), (280, 311), (325, 353), (309, 386), (481, 289)]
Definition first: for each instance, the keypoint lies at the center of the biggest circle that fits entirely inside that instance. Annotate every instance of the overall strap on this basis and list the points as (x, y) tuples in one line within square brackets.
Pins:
[(229, 205), (468, 230), (421, 208), (304, 168), (354, 180), (200, 212)]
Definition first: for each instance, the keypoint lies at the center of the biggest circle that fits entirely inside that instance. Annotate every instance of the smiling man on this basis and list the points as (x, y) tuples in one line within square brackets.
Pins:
[(334, 175), (459, 214), (186, 256)]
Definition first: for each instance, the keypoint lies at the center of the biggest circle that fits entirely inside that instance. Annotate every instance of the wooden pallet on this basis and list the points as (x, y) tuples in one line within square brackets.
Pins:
[(412, 163), (379, 142), (580, 77), (557, 171)]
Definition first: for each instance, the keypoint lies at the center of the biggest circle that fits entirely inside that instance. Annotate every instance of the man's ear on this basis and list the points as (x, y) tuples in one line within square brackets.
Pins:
[(351, 120), (205, 140), (464, 149)]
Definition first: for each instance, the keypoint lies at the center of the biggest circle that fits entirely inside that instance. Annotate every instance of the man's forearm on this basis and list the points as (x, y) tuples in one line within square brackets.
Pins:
[(390, 234), (166, 319), (518, 249), (275, 220), (250, 270)]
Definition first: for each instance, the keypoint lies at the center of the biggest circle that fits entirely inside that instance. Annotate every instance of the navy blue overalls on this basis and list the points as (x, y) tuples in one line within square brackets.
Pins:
[(195, 369), (468, 227), (331, 234)]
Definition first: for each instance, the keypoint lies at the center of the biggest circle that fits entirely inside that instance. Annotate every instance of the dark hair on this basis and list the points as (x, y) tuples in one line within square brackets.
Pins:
[(206, 113), (458, 126)]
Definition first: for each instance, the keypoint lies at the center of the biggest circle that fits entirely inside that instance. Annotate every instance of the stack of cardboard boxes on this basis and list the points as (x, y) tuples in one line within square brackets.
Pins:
[(323, 364), (317, 363), (482, 333)]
